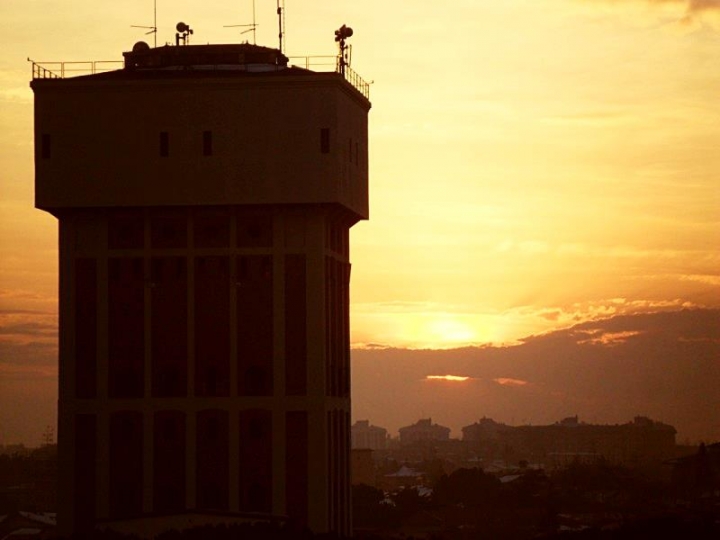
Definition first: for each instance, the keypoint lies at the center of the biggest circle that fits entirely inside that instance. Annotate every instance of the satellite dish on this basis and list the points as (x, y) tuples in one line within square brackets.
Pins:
[(140, 46), (182, 27)]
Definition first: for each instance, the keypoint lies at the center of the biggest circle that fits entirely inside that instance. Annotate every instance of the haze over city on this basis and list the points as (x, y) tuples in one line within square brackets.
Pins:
[(534, 166)]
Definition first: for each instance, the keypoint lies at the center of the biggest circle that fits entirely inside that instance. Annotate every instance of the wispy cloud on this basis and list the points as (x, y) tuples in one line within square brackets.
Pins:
[(691, 8), (28, 326), (451, 378), (17, 294), (508, 381), (609, 339)]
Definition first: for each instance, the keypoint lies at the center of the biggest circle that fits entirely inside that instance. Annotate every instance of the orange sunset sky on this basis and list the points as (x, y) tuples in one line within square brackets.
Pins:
[(533, 164)]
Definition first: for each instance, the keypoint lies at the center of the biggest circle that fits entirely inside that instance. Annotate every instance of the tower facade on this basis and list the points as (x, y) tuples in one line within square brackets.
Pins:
[(204, 196)]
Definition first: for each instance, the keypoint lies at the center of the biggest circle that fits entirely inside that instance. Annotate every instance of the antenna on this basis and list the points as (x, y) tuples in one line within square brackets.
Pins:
[(341, 34), (153, 28), (250, 27), (281, 23), (183, 33)]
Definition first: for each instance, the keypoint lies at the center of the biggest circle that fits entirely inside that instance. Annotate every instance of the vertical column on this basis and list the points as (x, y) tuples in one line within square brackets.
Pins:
[(148, 450), (84, 465), (85, 327), (169, 456), (279, 460), (126, 327), (235, 441), (126, 464), (191, 436), (255, 460), (345, 343), (346, 515), (331, 456), (212, 447), (212, 326), (296, 467), (103, 468), (295, 325), (126, 304), (168, 326), (254, 330)]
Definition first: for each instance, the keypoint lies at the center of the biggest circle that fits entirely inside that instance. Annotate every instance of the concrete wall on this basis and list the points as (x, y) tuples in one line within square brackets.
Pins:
[(98, 141)]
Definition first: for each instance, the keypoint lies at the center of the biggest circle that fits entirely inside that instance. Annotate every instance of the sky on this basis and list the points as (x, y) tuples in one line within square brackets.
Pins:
[(533, 165), (661, 365)]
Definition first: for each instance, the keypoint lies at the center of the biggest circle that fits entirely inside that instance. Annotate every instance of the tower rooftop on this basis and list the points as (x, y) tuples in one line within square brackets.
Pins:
[(243, 57), (169, 61)]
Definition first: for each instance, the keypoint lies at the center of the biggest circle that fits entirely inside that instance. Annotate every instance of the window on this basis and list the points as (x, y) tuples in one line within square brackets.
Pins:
[(164, 144), (168, 228), (325, 140), (211, 228), (126, 229), (207, 143), (254, 229)]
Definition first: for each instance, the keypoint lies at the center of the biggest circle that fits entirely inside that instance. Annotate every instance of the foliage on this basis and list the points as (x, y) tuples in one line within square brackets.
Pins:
[(467, 487)]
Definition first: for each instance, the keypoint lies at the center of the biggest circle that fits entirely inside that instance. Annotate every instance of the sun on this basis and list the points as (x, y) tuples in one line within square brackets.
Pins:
[(450, 330)]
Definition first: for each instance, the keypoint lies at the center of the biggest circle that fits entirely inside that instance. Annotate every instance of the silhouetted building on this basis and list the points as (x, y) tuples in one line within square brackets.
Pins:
[(366, 436), (571, 440), (204, 195), (424, 430)]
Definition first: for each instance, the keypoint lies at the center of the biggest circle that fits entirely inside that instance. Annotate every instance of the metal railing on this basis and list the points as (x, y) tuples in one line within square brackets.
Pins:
[(60, 70), (332, 63)]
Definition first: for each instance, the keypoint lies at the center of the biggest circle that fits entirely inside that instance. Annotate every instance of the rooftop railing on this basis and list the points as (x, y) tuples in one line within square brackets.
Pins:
[(61, 70), (332, 63)]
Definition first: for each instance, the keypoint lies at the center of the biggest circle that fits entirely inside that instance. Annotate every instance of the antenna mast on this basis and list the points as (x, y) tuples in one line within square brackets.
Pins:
[(153, 28), (250, 27), (281, 23), (341, 34)]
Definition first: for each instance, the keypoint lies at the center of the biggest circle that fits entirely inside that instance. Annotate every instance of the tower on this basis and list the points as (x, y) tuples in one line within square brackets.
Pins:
[(204, 195)]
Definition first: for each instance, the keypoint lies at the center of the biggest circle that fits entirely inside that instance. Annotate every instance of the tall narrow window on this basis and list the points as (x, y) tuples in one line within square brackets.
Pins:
[(164, 144), (45, 146), (207, 143), (325, 140)]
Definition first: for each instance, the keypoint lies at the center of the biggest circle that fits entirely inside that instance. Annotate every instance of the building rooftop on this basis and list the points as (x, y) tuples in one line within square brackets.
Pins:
[(171, 61)]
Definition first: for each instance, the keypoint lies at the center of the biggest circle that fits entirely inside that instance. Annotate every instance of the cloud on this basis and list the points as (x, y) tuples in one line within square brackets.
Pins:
[(451, 378), (28, 326), (696, 6), (691, 8), (508, 381), (609, 339), (14, 294), (27, 357), (662, 365), (707, 279)]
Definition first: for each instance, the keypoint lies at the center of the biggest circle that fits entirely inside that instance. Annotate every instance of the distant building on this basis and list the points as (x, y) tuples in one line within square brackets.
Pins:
[(571, 440), (424, 430), (698, 474), (366, 436), (404, 477)]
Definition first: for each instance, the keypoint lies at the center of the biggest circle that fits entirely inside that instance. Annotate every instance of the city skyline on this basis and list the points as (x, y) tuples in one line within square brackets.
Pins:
[(533, 167)]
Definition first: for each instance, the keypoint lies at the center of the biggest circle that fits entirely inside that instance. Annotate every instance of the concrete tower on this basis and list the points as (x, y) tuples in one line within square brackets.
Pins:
[(204, 196)]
